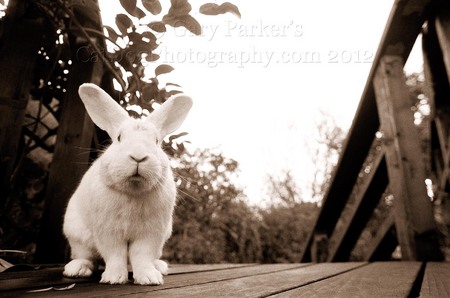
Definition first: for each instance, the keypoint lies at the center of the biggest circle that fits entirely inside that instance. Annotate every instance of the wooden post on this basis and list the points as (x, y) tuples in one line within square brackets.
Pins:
[(20, 41), (414, 220), (72, 148), (436, 47), (442, 115)]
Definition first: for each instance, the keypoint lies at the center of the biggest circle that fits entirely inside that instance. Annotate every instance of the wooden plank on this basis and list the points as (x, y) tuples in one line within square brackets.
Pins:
[(201, 274), (190, 268), (47, 277), (436, 281), (413, 209), (40, 278), (366, 199), (394, 279), (404, 25), (261, 285)]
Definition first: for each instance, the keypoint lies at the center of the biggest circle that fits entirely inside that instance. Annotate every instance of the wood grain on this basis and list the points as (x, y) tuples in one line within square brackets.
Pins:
[(436, 281), (414, 219), (263, 284), (394, 279)]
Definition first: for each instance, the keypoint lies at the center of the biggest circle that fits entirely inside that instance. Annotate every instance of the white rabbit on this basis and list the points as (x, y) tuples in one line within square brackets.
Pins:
[(122, 209)]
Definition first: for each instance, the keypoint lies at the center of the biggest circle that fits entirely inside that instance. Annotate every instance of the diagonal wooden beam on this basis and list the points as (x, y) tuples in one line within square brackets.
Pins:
[(384, 242), (414, 217), (366, 198)]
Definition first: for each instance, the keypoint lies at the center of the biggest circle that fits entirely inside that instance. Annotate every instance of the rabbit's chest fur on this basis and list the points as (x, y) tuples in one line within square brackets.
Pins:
[(129, 218), (96, 211)]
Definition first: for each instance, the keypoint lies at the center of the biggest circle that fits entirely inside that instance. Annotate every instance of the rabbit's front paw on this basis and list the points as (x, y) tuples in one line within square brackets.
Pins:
[(78, 268), (114, 276), (148, 276), (162, 267)]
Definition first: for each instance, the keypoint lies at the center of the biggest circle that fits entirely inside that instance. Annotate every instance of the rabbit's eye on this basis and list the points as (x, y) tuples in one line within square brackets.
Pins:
[(156, 141), (118, 138)]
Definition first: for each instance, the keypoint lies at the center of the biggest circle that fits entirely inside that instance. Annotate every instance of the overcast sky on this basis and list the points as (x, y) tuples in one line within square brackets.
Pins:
[(259, 82)]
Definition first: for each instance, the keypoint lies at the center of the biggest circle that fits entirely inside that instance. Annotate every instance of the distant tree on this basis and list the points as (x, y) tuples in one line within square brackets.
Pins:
[(284, 229), (286, 221), (292, 210), (325, 153), (213, 223)]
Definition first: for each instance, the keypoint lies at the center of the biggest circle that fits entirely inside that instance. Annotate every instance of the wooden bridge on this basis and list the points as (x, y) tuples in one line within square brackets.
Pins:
[(384, 160), (385, 156)]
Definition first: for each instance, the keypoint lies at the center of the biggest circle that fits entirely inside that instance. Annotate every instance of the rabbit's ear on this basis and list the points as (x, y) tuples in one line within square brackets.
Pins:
[(171, 114), (104, 111)]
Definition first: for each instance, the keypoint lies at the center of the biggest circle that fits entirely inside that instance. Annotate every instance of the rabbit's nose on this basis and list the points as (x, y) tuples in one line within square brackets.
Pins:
[(139, 159)]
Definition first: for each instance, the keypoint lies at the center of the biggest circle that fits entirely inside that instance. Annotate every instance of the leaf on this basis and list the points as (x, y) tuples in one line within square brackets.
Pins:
[(149, 91), (134, 37), (173, 84), (173, 137), (157, 26), (162, 69), (152, 57), (139, 48), (149, 35), (179, 8), (64, 288), (4, 265), (138, 13), (153, 6), (132, 9), (112, 34), (186, 21), (134, 114), (214, 9), (123, 22), (173, 92), (69, 287), (129, 5)]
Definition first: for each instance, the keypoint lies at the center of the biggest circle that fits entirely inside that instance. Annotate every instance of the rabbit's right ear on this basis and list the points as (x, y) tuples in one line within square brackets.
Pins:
[(104, 111)]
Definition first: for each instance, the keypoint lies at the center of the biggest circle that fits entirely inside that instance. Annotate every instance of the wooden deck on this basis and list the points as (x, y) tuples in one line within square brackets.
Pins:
[(358, 279)]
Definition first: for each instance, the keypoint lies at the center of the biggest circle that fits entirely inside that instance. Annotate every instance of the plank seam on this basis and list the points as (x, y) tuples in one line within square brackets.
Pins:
[(221, 280), (417, 285), (214, 269), (313, 281)]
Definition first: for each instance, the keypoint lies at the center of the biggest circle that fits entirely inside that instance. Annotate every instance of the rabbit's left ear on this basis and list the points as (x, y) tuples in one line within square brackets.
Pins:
[(171, 114), (104, 111)]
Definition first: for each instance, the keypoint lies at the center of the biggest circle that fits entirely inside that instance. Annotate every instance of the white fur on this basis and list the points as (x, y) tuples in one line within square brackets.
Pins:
[(122, 209)]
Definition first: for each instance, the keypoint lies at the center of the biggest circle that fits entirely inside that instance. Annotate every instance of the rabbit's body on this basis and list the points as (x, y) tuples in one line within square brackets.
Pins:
[(122, 209)]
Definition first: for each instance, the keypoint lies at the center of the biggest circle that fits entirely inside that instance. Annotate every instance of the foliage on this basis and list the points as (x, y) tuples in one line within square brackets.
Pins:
[(284, 229), (330, 138), (213, 223), (292, 211), (287, 220)]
